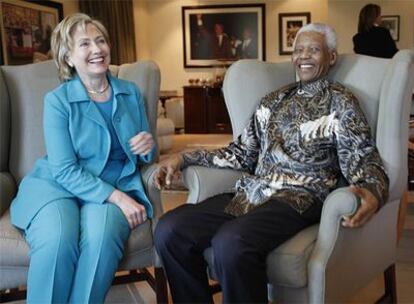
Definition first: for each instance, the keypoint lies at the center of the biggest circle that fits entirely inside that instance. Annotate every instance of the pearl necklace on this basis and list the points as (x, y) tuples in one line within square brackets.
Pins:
[(99, 92)]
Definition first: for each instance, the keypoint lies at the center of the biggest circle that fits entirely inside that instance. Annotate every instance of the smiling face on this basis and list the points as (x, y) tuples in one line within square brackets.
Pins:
[(312, 57), (90, 54)]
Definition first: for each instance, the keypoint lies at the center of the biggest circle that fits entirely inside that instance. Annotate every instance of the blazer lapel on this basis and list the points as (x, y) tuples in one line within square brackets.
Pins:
[(76, 93)]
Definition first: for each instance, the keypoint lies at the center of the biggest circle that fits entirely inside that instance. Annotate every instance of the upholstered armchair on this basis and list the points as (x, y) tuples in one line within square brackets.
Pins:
[(22, 89), (327, 262)]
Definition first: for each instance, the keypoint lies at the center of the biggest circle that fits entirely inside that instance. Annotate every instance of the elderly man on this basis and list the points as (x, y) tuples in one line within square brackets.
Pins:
[(298, 142)]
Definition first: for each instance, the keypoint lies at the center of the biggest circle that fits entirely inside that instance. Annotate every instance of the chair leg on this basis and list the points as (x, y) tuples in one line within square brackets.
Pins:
[(401, 214), (161, 290), (14, 294), (390, 295)]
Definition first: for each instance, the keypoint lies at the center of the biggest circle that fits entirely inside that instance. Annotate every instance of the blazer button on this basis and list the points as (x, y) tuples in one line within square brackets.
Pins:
[(118, 120)]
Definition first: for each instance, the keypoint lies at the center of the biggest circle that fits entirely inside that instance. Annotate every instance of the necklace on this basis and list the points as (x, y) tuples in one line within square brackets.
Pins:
[(99, 92)]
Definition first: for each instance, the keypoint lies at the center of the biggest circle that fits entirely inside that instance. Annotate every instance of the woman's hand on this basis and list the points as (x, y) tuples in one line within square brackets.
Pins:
[(141, 143), (134, 212)]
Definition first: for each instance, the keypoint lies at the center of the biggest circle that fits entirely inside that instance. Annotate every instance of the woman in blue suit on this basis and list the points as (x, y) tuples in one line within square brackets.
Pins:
[(80, 202)]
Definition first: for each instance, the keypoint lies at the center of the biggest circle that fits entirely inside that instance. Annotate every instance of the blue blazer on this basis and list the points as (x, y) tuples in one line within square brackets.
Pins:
[(78, 144)]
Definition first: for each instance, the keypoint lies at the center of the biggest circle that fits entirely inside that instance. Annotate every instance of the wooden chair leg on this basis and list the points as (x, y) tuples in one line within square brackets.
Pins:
[(161, 290), (401, 214), (14, 294), (390, 295)]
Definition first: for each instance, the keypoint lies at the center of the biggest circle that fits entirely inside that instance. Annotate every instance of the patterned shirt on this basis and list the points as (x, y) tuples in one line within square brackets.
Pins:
[(298, 142)]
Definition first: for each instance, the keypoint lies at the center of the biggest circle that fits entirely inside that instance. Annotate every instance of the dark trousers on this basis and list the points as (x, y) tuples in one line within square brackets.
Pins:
[(240, 246)]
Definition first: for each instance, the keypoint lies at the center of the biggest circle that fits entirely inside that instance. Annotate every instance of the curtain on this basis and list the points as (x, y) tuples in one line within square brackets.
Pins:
[(117, 17)]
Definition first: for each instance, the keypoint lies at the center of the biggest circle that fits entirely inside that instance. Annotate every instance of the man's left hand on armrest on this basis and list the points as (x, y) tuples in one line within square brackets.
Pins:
[(369, 205)]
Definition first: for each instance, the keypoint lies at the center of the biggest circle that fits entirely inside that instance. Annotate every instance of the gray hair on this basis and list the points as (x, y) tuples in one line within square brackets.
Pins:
[(327, 31)]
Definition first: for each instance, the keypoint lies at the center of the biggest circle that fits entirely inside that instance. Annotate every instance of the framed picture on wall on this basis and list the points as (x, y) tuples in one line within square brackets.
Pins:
[(392, 23), (289, 25), (25, 29), (217, 35)]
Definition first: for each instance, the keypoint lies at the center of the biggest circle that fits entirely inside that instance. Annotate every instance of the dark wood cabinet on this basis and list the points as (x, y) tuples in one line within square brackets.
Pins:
[(205, 110)]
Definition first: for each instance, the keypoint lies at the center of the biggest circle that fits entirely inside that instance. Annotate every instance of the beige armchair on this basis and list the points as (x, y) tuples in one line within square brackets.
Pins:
[(327, 262), (22, 89)]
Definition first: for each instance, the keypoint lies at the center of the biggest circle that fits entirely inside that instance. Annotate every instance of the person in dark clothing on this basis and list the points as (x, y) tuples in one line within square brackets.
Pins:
[(372, 39)]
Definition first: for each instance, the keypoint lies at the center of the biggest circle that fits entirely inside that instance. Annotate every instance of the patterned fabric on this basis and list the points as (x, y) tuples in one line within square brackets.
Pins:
[(295, 147)]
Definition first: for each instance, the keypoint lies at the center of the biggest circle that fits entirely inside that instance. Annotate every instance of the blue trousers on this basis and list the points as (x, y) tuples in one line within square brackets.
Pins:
[(74, 251)]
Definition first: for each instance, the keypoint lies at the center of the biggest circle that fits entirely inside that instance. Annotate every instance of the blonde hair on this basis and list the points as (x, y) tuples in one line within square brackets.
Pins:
[(62, 41)]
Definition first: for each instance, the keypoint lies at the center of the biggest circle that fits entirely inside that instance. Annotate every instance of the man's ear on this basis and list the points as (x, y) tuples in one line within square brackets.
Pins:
[(334, 56)]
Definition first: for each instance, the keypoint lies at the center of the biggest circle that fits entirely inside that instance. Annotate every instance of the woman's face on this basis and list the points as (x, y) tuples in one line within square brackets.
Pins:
[(90, 54)]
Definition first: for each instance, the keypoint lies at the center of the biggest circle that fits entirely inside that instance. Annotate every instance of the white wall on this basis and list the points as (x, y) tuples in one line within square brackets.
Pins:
[(343, 16), (160, 37)]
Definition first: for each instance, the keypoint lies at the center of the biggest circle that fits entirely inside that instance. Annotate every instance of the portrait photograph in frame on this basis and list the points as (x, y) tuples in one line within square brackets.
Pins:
[(289, 25), (217, 35), (26, 28), (392, 23)]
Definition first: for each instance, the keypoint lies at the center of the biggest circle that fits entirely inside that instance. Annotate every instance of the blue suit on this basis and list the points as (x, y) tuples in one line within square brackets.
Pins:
[(76, 238)]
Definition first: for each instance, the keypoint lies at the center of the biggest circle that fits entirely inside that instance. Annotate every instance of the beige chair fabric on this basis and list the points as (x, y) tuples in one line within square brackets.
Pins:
[(326, 262), (21, 143)]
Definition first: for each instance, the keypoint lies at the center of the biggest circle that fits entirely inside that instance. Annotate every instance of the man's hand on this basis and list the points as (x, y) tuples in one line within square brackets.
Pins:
[(167, 169), (369, 205), (134, 212), (141, 143)]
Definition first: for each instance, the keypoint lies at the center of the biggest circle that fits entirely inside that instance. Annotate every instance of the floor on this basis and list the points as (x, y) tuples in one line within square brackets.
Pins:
[(141, 292)]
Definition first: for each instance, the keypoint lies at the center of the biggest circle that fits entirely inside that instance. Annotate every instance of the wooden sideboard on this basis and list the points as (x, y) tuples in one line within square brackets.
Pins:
[(205, 110)]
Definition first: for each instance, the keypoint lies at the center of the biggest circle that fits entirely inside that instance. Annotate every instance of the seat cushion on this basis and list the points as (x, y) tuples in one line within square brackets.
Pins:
[(287, 264), (14, 258), (139, 250), (14, 249)]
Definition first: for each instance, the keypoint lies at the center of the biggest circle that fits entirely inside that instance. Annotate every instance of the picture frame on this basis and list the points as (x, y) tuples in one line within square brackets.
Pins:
[(218, 35), (289, 24), (392, 23), (25, 30)]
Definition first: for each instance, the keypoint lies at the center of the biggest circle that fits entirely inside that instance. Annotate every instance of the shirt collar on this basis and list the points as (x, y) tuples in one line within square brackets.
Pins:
[(310, 89), (76, 91)]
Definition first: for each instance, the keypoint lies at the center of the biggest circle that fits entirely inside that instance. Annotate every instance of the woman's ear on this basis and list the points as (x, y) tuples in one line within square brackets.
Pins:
[(68, 61)]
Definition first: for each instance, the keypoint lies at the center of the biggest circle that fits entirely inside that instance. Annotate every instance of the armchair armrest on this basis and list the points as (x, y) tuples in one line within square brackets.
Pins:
[(7, 191), (338, 203), (350, 252), (154, 194), (203, 182)]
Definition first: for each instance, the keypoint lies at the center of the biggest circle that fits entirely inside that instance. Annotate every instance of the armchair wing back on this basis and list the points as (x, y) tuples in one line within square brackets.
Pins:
[(246, 82), (21, 144), (327, 262)]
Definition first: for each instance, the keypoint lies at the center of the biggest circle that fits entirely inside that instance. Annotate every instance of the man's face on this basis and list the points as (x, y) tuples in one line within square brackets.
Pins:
[(311, 56)]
